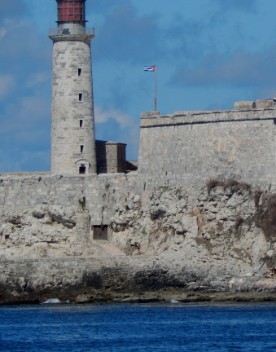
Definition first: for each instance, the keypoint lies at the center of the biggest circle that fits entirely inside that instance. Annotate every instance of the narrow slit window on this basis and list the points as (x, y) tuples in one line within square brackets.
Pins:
[(81, 123), (79, 72), (81, 148), (80, 97)]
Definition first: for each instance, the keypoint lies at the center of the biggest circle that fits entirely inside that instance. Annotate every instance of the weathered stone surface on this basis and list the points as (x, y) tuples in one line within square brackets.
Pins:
[(53, 216), (190, 148), (46, 232), (72, 137), (265, 104), (217, 238), (244, 105), (221, 239)]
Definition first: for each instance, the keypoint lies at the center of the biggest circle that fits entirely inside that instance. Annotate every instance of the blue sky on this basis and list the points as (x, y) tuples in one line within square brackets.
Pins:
[(209, 53)]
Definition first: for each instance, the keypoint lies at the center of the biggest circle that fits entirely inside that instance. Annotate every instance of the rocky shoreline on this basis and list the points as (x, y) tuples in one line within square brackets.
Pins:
[(124, 279), (171, 295)]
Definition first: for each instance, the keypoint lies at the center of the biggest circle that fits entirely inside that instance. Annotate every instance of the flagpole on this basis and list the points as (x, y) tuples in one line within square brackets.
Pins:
[(153, 69), (155, 89)]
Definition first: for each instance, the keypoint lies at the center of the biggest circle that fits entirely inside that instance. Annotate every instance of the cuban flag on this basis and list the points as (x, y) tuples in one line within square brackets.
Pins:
[(150, 68)]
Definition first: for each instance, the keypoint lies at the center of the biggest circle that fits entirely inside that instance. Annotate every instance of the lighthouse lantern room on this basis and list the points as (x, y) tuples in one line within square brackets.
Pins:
[(71, 11)]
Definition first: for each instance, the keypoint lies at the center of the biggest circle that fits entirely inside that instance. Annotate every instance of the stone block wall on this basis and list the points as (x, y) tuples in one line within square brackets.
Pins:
[(190, 148), (99, 195), (55, 216), (73, 140)]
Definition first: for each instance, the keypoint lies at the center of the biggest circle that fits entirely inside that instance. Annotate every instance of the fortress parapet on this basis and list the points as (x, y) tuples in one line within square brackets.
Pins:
[(258, 104), (178, 118)]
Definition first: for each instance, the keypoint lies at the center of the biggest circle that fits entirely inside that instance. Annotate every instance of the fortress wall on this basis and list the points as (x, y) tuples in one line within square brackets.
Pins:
[(191, 148), (21, 192), (97, 193)]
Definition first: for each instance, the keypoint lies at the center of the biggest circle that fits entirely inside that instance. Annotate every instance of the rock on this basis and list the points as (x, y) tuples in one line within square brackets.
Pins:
[(136, 198), (38, 213), (206, 236), (45, 232)]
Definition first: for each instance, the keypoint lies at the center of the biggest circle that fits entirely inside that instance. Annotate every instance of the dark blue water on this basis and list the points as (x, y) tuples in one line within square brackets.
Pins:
[(167, 327)]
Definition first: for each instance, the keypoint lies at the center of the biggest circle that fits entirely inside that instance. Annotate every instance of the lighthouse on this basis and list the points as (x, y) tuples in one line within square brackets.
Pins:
[(72, 131)]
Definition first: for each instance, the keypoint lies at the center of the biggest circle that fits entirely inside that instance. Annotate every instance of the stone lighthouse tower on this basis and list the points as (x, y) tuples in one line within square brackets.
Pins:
[(72, 136)]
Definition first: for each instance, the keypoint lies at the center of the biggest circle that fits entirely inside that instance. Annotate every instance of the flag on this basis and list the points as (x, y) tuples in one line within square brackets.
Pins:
[(150, 68)]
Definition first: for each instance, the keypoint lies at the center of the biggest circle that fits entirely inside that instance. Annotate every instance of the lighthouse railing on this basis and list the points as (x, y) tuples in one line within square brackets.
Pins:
[(66, 31)]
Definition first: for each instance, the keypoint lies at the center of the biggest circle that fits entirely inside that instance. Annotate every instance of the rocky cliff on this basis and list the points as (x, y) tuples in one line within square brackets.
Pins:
[(225, 238), (166, 244)]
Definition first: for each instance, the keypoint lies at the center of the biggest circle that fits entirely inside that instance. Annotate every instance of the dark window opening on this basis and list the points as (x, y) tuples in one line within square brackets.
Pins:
[(66, 31), (100, 232), (79, 71), (82, 170), (274, 121), (81, 148), (81, 123), (80, 96)]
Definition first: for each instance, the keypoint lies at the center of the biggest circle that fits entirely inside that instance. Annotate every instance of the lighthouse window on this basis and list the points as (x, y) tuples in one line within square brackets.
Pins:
[(81, 148), (80, 96), (79, 72), (81, 123)]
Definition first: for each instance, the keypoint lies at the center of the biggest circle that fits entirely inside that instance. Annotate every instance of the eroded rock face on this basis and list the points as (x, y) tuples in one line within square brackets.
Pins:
[(223, 240), (45, 231), (154, 224), (229, 230)]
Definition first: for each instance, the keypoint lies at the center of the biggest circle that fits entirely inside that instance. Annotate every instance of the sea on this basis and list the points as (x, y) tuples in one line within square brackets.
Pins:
[(162, 327)]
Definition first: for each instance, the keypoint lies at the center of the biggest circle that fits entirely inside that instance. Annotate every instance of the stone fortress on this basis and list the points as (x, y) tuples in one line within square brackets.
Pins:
[(93, 199)]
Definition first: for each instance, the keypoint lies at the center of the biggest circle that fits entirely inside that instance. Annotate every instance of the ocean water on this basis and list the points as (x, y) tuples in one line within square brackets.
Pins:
[(131, 327)]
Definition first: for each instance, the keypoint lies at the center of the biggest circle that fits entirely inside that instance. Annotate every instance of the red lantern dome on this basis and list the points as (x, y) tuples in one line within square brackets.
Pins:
[(71, 11)]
